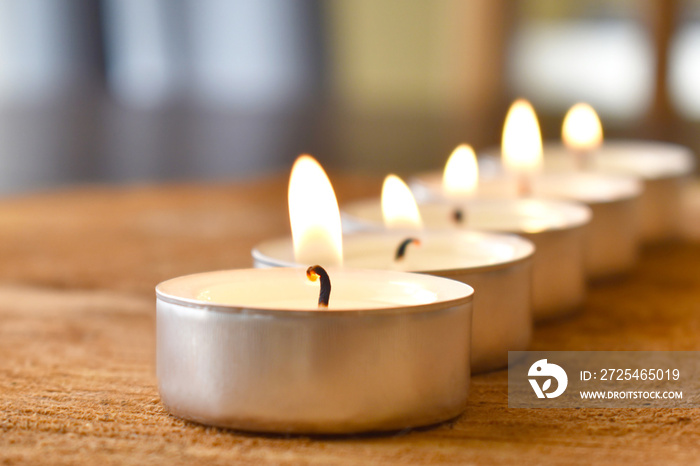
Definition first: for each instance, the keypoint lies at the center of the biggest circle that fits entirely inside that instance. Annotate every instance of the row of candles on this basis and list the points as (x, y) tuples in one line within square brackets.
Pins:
[(372, 347)]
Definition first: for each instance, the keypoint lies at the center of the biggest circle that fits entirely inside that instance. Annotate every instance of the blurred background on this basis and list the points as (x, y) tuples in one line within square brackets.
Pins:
[(129, 91)]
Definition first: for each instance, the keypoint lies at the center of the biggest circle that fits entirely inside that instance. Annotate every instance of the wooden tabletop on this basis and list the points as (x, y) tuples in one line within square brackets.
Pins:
[(77, 340)]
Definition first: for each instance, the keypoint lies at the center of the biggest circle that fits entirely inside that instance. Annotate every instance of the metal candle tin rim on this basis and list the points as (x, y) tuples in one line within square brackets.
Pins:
[(316, 313), (528, 246)]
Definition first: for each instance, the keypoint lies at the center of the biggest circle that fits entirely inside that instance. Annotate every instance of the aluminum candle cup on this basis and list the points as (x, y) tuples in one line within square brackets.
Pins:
[(497, 266), (249, 349), (662, 167), (612, 237), (556, 228)]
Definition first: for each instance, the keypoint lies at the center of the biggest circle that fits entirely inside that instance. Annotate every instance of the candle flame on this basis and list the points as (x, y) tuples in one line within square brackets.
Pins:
[(399, 207), (522, 141), (314, 214), (582, 129), (461, 174)]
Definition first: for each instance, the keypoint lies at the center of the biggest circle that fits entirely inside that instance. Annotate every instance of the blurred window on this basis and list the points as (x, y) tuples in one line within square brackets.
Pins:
[(684, 62), (600, 52)]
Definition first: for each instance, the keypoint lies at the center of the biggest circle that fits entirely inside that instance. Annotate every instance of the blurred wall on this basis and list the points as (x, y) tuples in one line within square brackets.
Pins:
[(149, 90), (50, 73)]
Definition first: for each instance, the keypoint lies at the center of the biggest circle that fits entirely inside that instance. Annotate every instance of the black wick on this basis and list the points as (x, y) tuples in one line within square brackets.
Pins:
[(458, 215), (314, 272), (401, 250)]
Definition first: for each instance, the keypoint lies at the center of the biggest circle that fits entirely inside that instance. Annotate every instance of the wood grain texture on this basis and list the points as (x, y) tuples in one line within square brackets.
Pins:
[(77, 383)]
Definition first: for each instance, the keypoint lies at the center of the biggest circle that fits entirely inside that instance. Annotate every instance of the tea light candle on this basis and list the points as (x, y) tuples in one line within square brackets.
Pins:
[(662, 167), (556, 228), (612, 238), (497, 266), (251, 350), (489, 262)]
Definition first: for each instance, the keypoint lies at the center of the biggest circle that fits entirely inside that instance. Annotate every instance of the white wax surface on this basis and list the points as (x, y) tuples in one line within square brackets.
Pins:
[(429, 255), (645, 159), (584, 187), (289, 289), (438, 251), (232, 295), (507, 215)]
